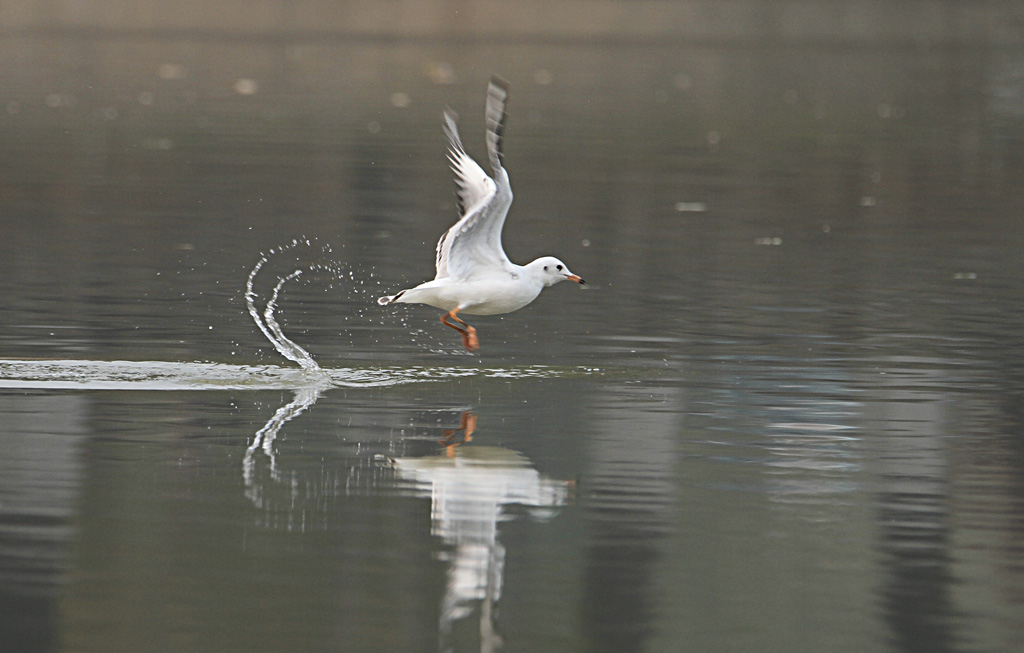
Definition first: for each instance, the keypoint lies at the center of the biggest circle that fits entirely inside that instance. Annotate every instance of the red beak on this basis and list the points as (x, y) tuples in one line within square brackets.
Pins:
[(576, 278)]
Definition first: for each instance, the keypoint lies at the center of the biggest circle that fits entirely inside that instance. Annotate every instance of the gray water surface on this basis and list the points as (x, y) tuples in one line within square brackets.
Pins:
[(784, 415)]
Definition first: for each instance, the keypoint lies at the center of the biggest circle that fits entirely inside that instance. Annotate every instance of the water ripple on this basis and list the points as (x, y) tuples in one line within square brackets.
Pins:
[(163, 375)]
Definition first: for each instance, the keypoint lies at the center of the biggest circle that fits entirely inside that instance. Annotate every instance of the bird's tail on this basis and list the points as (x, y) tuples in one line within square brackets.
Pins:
[(388, 299)]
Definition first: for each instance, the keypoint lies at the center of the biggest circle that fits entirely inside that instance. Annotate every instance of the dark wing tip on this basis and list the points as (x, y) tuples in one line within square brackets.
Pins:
[(500, 82), (451, 131), (497, 99)]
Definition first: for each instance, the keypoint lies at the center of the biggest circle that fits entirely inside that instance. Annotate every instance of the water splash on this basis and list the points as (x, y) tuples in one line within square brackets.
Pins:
[(266, 321), (320, 267)]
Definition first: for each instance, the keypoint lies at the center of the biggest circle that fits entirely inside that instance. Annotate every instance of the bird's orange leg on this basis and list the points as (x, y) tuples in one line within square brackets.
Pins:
[(468, 333), (467, 425)]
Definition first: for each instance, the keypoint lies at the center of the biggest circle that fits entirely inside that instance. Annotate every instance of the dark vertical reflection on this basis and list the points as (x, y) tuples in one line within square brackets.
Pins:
[(39, 473), (913, 519), (628, 502), (916, 595)]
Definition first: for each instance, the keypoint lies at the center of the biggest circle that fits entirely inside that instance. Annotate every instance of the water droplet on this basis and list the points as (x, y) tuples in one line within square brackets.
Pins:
[(246, 86), (400, 100), (440, 72), (171, 71), (691, 207)]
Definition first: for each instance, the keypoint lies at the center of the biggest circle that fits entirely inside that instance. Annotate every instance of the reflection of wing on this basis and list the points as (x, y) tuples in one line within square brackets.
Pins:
[(482, 474), (468, 491), (475, 240)]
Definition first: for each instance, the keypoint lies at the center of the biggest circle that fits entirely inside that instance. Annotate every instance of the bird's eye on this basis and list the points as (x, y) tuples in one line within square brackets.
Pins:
[(558, 267)]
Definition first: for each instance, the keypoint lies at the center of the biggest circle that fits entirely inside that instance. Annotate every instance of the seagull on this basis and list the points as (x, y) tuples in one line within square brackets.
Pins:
[(474, 275)]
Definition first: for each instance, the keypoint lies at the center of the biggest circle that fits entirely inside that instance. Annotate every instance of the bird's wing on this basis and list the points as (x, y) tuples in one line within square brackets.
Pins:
[(497, 98), (473, 244)]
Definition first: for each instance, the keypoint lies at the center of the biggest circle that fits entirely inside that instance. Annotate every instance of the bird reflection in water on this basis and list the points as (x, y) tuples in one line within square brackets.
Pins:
[(470, 488)]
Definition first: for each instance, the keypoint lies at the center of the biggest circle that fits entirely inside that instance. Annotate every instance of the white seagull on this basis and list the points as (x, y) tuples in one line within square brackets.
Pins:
[(473, 273)]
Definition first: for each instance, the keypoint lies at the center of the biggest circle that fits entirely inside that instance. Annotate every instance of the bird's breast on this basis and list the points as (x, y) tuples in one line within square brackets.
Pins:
[(494, 295)]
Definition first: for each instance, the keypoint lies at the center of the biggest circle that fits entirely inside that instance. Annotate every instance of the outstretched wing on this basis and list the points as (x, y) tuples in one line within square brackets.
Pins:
[(497, 98), (473, 243)]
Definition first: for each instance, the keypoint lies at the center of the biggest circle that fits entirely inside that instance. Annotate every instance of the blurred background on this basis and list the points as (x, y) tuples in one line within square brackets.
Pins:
[(784, 415)]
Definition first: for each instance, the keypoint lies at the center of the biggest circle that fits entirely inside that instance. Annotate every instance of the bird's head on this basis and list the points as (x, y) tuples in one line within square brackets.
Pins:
[(550, 271)]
